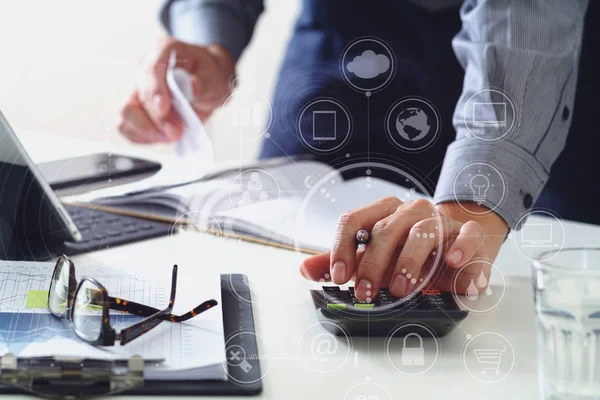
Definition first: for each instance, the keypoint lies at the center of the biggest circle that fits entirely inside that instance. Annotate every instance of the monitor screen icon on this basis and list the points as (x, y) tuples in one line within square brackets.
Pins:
[(489, 114), (536, 235), (324, 125)]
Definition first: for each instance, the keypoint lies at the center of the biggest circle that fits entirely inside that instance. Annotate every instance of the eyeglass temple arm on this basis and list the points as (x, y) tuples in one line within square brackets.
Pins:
[(132, 307), (134, 331)]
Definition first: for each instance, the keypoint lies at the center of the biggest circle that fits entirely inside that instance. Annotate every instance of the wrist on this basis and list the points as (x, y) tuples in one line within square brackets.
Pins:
[(224, 58), (494, 226)]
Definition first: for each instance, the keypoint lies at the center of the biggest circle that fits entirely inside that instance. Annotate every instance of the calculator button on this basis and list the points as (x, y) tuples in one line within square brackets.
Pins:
[(332, 290), (364, 305), (336, 306)]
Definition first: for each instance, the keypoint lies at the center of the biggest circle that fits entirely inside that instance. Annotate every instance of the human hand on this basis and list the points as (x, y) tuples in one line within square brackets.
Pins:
[(149, 117), (403, 238)]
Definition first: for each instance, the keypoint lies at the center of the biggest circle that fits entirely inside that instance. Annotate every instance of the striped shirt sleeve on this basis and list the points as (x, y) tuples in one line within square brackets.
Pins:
[(520, 59), (229, 23)]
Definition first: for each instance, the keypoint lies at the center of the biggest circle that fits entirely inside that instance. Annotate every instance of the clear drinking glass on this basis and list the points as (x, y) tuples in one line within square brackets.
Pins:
[(567, 301)]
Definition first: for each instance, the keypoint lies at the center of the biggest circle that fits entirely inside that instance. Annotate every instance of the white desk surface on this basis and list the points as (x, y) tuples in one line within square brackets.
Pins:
[(283, 310)]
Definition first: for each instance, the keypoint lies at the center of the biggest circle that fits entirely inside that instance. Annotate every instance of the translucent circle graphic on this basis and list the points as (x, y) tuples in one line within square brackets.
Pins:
[(253, 185), (479, 179), (413, 124), (238, 358), (325, 195), (408, 355), (489, 109), (248, 114), (323, 352), (324, 125), (539, 235), (488, 357), (368, 64), (479, 297), (367, 391), (196, 221)]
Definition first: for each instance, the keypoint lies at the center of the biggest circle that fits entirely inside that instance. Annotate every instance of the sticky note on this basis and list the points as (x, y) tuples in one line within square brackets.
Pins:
[(37, 299)]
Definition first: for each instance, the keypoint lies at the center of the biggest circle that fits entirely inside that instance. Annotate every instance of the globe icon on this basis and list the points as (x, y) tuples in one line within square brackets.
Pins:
[(413, 124)]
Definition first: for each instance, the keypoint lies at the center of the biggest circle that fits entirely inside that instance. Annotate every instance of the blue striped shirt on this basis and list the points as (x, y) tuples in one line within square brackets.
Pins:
[(520, 59)]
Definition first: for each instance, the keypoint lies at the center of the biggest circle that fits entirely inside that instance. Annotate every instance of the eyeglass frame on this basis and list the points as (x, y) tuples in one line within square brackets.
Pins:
[(108, 335)]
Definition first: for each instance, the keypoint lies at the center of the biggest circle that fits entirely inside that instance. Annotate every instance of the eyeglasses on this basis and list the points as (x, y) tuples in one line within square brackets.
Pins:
[(86, 306)]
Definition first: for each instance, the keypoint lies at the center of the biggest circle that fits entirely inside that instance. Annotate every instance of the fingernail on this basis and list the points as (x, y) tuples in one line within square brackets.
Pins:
[(364, 290), (169, 130), (456, 257), (338, 273), (400, 285), (158, 103)]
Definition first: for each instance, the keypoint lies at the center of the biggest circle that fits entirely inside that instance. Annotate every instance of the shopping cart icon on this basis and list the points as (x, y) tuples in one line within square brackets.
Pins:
[(490, 358)]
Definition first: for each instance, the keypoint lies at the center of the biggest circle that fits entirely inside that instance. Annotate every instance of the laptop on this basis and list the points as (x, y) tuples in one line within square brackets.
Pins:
[(34, 225)]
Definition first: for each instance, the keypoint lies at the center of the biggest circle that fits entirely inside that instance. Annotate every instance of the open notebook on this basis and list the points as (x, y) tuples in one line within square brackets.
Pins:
[(295, 204)]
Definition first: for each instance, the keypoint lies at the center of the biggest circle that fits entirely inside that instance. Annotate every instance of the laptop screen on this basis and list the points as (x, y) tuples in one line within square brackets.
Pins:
[(31, 217)]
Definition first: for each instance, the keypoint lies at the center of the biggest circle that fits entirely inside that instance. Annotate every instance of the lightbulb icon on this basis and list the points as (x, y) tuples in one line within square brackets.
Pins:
[(479, 184)]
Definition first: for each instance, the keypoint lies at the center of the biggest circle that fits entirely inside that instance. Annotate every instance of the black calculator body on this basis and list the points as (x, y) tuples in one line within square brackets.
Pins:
[(342, 314)]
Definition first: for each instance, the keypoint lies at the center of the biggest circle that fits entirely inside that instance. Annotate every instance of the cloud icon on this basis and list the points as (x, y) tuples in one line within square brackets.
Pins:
[(368, 65)]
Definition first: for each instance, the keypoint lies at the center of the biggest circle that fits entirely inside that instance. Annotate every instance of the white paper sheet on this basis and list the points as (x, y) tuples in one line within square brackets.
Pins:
[(194, 144)]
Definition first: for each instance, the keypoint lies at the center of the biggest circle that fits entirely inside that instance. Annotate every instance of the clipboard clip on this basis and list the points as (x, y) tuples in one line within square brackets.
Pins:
[(60, 377)]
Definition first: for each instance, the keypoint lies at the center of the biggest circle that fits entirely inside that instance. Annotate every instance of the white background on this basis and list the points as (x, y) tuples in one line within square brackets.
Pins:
[(67, 66)]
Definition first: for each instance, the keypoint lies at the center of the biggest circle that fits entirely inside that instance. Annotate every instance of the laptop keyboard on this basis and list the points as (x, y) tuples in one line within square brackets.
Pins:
[(102, 230)]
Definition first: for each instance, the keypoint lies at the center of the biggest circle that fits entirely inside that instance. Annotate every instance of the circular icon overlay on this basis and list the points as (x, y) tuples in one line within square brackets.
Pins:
[(198, 222), (488, 357), (480, 183), (541, 231), (489, 114), (413, 124), (412, 349), (253, 186), (368, 64), (248, 114), (322, 351), (245, 366), (328, 192), (324, 125), (476, 295), (367, 391)]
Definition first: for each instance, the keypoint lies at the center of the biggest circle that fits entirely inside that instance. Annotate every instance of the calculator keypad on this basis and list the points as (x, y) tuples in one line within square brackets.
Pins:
[(338, 298)]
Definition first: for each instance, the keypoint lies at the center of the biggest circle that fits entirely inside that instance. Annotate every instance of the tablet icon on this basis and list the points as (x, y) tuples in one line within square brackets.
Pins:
[(324, 125)]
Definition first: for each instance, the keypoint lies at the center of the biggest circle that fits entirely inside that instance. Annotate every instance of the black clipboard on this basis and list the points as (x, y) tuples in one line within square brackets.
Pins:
[(244, 374)]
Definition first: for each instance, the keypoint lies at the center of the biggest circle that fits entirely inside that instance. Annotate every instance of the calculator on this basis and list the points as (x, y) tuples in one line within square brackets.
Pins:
[(342, 314)]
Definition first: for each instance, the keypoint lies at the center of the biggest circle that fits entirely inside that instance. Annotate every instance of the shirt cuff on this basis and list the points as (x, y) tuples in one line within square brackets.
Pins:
[(195, 23), (515, 177)]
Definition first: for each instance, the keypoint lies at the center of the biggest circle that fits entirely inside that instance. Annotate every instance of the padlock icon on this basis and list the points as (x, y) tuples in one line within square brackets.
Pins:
[(413, 355)]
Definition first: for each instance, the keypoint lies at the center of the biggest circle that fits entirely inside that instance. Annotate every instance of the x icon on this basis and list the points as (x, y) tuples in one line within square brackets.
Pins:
[(234, 355)]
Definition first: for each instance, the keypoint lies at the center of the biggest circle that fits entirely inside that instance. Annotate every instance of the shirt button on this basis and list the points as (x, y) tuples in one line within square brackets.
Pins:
[(527, 201), (565, 114)]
